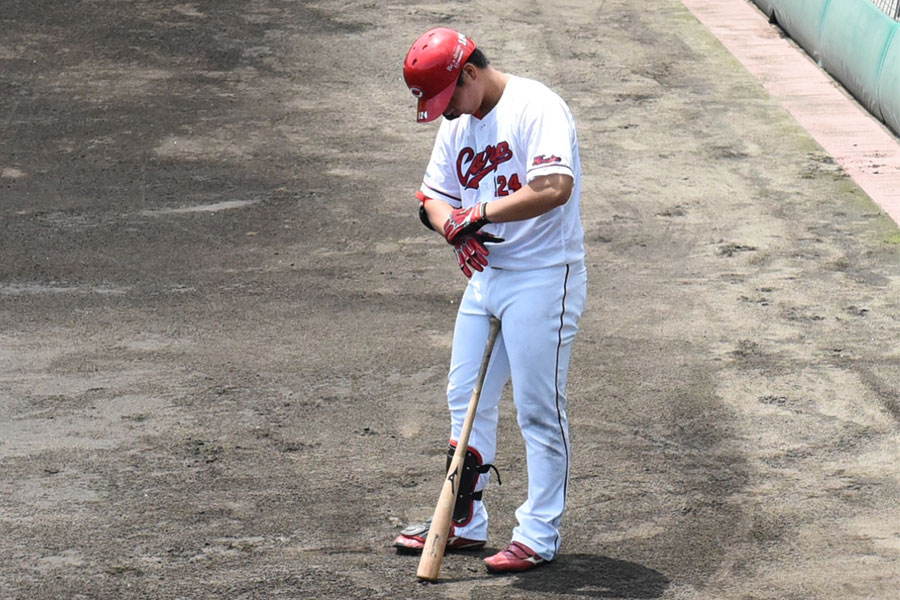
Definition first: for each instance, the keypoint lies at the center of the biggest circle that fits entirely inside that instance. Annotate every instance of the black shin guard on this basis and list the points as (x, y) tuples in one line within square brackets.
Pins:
[(466, 497)]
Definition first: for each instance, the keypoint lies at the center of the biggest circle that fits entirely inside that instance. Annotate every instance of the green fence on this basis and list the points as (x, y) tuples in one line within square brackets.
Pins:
[(855, 41)]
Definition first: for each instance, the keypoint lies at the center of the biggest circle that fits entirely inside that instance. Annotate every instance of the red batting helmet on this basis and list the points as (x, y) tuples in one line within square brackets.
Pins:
[(432, 67)]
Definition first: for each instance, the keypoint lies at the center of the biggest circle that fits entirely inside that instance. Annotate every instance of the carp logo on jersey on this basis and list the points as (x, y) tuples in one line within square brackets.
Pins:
[(472, 167)]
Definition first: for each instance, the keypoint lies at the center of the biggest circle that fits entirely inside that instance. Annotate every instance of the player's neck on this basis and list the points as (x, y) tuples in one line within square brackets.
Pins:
[(494, 85)]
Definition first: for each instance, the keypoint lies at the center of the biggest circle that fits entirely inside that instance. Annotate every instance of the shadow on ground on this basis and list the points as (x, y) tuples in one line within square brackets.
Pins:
[(594, 576)]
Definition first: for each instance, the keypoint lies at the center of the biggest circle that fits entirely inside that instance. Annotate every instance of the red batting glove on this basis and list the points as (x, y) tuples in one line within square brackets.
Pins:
[(471, 252), (464, 221)]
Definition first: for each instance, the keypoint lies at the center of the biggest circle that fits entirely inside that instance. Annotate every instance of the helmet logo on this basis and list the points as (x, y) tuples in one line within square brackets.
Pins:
[(456, 59), (417, 92)]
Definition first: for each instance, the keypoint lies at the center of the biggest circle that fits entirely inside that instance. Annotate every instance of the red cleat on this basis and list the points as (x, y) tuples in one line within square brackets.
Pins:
[(412, 539), (517, 557)]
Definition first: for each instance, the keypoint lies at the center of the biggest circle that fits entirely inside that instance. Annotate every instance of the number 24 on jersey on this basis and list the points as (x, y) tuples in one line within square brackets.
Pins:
[(505, 187)]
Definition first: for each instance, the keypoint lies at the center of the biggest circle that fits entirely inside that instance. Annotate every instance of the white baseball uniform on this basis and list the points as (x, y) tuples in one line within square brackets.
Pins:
[(535, 283)]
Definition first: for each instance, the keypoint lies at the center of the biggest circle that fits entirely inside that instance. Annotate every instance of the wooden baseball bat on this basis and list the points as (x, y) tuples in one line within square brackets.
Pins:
[(436, 542)]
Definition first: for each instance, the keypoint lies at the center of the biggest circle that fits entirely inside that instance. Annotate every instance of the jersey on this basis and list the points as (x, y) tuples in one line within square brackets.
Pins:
[(529, 133)]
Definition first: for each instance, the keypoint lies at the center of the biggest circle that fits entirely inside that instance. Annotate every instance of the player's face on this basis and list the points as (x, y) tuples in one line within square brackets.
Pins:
[(465, 100)]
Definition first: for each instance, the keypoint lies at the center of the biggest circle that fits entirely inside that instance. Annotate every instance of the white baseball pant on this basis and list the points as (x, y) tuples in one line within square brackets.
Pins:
[(539, 310)]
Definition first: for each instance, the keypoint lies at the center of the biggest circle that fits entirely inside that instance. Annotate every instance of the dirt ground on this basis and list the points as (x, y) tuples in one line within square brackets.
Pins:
[(224, 333)]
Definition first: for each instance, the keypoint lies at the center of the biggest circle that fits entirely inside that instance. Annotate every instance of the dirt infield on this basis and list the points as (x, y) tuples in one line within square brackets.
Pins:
[(224, 333)]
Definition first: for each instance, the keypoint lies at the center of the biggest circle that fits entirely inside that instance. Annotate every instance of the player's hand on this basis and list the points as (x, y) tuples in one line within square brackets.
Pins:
[(464, 221), (471, 252)]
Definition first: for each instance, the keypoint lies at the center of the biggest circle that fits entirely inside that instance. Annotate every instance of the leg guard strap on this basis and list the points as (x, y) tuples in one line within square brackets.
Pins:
[(472, 468)]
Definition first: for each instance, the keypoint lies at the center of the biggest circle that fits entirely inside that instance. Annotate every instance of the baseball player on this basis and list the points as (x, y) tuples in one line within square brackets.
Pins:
[(503, 188)]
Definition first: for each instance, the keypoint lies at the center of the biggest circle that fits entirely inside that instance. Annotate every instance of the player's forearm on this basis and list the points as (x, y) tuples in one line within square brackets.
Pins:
[(437, 211), (539, 196)]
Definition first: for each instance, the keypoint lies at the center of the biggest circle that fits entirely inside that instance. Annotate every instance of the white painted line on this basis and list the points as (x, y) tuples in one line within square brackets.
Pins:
[(226, 205)]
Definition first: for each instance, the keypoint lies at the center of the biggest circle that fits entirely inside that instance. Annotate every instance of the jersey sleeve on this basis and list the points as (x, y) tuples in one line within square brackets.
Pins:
[(440, 179), (548, 131)]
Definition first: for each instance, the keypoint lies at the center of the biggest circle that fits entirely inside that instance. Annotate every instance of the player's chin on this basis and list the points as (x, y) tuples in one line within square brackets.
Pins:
[(450, 116)]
